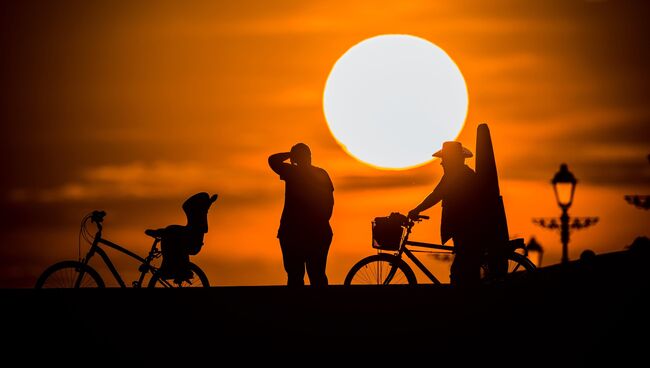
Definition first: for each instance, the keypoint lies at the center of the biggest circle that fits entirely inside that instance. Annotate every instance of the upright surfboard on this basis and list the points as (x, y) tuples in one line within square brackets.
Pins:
[(494, 214)]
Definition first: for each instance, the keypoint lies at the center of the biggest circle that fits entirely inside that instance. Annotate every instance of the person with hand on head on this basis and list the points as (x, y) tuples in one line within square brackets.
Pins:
[(460, 196), (305, 233)]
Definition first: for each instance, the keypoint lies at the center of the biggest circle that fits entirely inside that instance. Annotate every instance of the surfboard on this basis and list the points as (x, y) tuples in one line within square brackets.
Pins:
[(486, 171)]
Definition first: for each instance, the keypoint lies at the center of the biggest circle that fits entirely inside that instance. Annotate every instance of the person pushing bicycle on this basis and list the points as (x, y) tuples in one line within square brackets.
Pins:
[(459, 192)]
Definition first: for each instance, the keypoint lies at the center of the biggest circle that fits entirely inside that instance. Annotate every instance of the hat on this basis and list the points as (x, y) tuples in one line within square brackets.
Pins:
[(453, 148)]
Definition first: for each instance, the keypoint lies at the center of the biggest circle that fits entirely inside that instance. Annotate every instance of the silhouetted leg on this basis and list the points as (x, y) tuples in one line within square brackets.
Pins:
[(465, 273), (466, 267), (456, 271), (317, 260), (498, 261), (294, 261)]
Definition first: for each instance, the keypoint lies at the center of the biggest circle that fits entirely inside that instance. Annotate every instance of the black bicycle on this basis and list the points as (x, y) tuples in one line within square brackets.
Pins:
[(388, 266), (79, 274)]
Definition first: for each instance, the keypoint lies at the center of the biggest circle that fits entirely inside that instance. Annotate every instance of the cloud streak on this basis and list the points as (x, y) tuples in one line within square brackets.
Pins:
[(140, 180), (397, 179)]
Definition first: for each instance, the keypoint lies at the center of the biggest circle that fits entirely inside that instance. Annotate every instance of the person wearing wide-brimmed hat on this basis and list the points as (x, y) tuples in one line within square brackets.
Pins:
[(458, 190)]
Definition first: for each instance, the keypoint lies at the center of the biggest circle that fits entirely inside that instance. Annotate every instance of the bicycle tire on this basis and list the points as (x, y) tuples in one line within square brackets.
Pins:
[(65, 274), (371, 271), (516, 263), (200, 276)]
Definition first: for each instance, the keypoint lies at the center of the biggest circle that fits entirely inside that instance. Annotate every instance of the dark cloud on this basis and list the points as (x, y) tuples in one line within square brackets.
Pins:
[(611, 170), (633, 131)]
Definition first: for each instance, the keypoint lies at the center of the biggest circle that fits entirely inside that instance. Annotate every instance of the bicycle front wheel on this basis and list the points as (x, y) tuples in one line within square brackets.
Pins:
[(69, 274), (198, 279), (380, 269)]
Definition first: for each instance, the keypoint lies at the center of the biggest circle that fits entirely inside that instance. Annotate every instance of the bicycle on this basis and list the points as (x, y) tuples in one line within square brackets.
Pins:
[(78, 274), (388, 267)]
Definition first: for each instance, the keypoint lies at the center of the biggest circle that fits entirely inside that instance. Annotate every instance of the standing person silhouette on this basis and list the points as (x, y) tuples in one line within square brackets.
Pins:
[(305, 233), (459, 192)]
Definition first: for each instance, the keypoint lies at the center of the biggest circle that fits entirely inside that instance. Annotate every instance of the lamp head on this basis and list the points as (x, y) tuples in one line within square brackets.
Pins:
[(564, 186)]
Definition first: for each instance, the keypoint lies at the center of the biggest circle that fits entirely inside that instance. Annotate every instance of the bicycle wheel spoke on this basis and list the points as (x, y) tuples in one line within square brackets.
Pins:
[(364, 275), (516, 267), (68, 277), (59, 278), (369, 276), (69, 274), (197, 279), (379, 270), (86, 281), (398, 278)]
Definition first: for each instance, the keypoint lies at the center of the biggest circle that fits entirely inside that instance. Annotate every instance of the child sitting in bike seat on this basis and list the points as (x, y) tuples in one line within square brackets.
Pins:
[(178, 242)]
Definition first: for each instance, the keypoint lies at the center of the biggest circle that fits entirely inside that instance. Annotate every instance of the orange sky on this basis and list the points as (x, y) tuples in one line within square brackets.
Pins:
[(132, 108)]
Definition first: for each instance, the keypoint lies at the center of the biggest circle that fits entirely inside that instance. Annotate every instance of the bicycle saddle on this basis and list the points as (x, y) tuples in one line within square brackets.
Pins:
[(157, 233)]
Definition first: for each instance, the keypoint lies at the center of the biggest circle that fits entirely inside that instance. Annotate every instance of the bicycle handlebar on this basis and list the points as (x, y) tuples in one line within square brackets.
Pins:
[(97, 216), (418, 218), (410, 221)]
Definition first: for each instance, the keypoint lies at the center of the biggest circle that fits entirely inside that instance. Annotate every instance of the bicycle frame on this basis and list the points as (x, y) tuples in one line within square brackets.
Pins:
[(498, 261), (404, 250), (145, 262), (409, 254), (418, 263), (80, 273)]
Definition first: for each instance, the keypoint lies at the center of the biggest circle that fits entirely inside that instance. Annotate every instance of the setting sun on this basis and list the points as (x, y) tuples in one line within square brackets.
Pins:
[(392, 100)]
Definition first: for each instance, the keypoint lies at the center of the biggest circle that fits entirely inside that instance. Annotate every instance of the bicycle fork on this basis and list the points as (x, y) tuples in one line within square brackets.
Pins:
[(84, 261), (391, 274)]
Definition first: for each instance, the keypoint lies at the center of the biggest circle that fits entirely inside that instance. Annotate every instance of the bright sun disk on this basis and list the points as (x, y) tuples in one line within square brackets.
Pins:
[(391, 100)]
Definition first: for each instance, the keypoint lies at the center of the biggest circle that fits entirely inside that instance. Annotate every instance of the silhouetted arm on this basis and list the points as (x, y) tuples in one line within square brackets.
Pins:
[(431, 200), (330, 197), (276, 162)]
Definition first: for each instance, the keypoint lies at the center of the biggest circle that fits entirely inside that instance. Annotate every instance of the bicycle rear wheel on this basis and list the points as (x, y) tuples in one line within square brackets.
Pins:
[(380, 269), (519, 263), (516, 263), (69, 274), (198, 279)]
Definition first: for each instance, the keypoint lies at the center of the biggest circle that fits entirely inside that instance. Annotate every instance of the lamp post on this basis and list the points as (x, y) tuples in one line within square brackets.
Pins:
[(564, 187)]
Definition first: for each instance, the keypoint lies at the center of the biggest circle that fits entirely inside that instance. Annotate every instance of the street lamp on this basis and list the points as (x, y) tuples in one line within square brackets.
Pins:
[(564, 187), (535, 251)]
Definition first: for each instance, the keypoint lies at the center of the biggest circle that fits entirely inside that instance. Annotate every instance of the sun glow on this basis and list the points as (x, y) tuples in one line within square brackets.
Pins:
[(391, 100)]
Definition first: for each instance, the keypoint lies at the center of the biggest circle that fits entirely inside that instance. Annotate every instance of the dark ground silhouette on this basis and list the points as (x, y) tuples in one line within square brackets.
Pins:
[(589, 312)]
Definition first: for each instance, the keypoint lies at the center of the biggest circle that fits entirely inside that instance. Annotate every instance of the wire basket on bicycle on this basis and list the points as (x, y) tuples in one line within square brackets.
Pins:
[(388, 231)]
